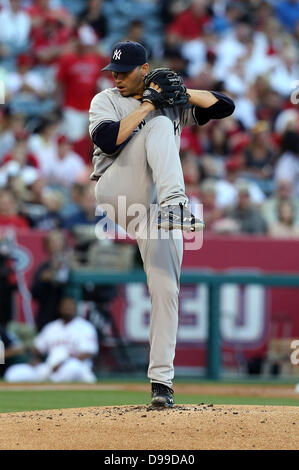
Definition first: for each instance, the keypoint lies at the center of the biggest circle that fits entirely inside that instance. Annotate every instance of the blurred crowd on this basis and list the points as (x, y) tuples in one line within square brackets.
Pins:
[(244, 169)]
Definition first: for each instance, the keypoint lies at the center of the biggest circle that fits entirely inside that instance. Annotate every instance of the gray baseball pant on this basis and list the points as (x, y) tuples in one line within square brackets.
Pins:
[(146, 171)]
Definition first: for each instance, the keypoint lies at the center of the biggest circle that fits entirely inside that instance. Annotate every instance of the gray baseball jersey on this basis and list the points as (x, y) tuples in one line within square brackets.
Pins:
[(147, 171), (109, 105)]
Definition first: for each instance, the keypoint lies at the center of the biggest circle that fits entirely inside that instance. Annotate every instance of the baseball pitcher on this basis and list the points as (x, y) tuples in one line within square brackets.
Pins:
[(136, 128)]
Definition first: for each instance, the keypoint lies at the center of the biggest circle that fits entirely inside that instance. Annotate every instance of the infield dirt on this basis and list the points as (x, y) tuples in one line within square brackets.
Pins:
[(185, 427)]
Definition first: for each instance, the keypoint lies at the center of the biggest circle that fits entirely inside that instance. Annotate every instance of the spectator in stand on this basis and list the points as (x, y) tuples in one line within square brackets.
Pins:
[(51, 31), (36, 190), (248, 65), (274, 35), (283, 193), (85, 214), (76, 193), (226, 16), (286, 227), (288, 164), (226, 189), (19, 160), (47, 216), (176, 61), (77, 83), (269, 106), (170, 9), (136, 33), (8, 211), (286, 71), (232, 47), (218, 143), (43, 144), (287, 120), (190, 23), (42, 205), (201, 56), (40, 9), (11, 125), (19, 152), (15, 27), (259, 157), (75, 8), (246, 215), (192, 172), (211, 213), (26, 89), (68, 165), (94, 16), (120, 13), (193, 139), (50, 279)]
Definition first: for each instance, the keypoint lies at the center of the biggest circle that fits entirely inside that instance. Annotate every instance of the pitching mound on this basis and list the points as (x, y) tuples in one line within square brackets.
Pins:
[(185, 427)]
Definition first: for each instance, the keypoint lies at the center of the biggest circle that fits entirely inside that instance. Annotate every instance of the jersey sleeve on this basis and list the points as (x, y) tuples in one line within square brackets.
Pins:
[(196, 115), (101, 110), (88, 340), (41, 341), (188, 117)]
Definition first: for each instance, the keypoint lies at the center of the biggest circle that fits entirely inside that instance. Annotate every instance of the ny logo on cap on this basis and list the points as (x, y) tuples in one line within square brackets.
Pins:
[(117, 54)]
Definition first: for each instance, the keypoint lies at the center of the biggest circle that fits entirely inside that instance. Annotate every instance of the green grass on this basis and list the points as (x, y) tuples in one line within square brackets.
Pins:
[(50, 399)]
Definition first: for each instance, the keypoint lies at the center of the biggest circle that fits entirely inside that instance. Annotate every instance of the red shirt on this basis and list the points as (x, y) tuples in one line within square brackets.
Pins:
[(53, 30), (188, 26), (13, 221), (79, 76), (190, 141)]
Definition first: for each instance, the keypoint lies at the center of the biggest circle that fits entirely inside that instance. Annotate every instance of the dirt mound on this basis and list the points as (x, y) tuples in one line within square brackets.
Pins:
[(185, 427)]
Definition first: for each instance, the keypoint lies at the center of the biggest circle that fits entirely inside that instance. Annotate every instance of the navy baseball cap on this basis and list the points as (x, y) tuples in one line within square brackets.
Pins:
[(125, 56)]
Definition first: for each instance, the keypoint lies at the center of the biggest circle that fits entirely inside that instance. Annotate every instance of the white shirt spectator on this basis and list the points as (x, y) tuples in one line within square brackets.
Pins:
[(245, 112), (287, 168), (195, 51), (7, 142), (15, 81), (67, 170), (14, 27), (228, 51), (282, 78), (227, 193), (45, 152)]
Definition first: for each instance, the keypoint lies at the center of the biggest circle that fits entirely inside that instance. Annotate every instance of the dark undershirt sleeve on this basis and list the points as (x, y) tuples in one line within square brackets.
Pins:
[(105, 135), (223, 108)]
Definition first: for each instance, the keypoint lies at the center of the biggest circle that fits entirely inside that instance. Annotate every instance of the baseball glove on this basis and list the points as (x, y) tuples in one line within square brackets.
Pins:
[(174, 92)]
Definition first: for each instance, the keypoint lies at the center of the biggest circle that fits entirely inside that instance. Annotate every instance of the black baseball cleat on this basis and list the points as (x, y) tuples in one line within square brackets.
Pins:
[(162, 396), (178, 217)]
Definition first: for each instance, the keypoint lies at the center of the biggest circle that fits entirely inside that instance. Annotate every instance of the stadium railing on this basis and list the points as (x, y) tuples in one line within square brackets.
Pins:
[(213, 280)]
